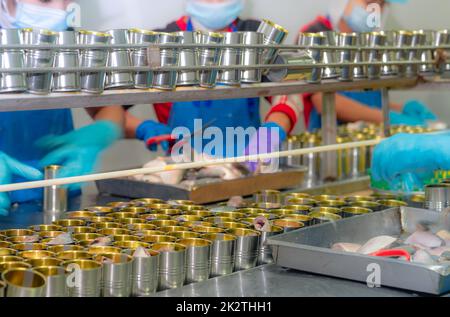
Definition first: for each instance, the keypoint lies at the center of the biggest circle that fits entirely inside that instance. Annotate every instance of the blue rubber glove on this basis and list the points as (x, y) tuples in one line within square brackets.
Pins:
[(406, 160), (78, 151), (402, 119), (150, 129), (10, 167), (415, 108), (267, 139)]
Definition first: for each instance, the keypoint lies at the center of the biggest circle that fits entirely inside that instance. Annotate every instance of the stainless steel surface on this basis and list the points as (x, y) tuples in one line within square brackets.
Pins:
[(39, 83), (231, 56), (142, 80), (84, 278), (55, 277), (314, 39), (116, 274), (437, 197), (55, 197), (329, 135), (145, 275), (346, 40), (330, 56), (66, 81), (24, 283), (188, 58), (93, 82), (309, 250), (209, 57), (119, 58), (252, 57), (198, 259), (13, 58), (168, 57), (273, 34), (172, 265)]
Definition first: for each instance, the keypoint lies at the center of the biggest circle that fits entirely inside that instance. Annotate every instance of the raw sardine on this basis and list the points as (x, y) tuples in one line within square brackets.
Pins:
[(424, 238), (377, 244)]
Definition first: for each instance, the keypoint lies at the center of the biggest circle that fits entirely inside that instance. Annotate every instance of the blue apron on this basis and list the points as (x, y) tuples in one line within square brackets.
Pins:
[(371, 99), (20, 130), (225, 114)]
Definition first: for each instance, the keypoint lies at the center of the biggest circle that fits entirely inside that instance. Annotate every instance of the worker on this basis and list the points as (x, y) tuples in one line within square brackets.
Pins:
[(351, 106), (223, 16), (31, 140)]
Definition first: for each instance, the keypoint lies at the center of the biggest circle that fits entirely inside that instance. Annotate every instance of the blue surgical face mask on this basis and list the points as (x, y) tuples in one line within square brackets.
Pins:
[(216, 15), (36, 16), (357, 20)]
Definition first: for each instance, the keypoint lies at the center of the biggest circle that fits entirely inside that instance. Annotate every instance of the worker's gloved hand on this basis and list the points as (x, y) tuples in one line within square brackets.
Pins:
[(407, 160), (150, 129), (267, 139), (415, 108), (77, 151), (402, 119), (10, 167)]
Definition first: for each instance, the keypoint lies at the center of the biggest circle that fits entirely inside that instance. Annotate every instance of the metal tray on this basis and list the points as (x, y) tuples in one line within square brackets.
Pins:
[(204, 193), (309, 250)]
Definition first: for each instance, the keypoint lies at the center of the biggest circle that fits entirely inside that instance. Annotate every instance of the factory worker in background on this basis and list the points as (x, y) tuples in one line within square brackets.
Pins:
[(222, 16), (31, 140), (351, 106)]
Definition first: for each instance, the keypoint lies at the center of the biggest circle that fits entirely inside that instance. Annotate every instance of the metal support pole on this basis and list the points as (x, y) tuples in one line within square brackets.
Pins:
[(329, 134), (385, 106)]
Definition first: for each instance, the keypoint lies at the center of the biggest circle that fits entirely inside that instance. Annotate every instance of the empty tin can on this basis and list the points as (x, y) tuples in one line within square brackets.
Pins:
[(324, 217), (167, 80), (93, 82), (292, 58), (288, 225), (311, 40), (358, 158), (172, 265), (376, 39), (347, 40), (443, 38), (12, 59), (55, 277), (198, 257), (246, 253), (116, 274), (348, 212), (293, 143), (391, 203), (36, 254), (185, 234), (39, 83), (389, 55), (437, 197), (311, 160), (84, 278), (142, 80), (362, 41), (119, 58), (188, 58), (252, 57), (22, 282), (55, 197), (264, 250), (330, 56), (6, 266), (145, 274), (272, 197), (372, 205), (73, 255), (305, 219), (209, 57), (418, 40), (427, 55), (274, 34), (231, 57), (402, 39), (44, 262), (66, 81), (222, 253), (299, 209)]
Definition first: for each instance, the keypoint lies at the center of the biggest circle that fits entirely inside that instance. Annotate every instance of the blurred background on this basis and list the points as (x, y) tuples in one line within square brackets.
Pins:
[(292, 14)]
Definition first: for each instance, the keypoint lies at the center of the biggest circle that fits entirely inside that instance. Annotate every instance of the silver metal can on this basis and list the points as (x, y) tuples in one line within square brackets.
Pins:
[(311, 160), (142, 80), (437, 197), (231, 57), (2, 289), (292, 58), (23, 282), (418, 40), (55, 197), (330, 56), (93, 82), (209, 57), (172, 265), (389, 55), (116, 274), (360, 72), (443, 38), (427, 55), (274, 34), (222, 253), (376, 39), (246, 253), (294, 143), (119, 58), (272, 197), (188, 58), (167, 80), (264, 250), (347, 40), (145, 274), (311, 40), (12, 59), (39, 83), (252, 57), (66, 81), (198, 258), (402, 39), (84, 278), (55, 277)]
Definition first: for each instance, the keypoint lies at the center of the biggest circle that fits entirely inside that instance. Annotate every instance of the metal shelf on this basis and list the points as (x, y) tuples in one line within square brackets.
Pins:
[(25, 101)]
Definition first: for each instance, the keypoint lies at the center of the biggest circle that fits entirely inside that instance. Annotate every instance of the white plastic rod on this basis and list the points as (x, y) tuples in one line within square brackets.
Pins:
[(183, 166)]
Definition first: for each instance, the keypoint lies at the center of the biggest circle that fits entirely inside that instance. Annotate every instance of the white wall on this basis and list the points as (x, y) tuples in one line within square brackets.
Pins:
[(105, 14)]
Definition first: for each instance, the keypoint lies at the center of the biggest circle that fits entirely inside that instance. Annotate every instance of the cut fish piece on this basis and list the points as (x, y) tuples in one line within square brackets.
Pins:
[(439, 251), (377, 244), (444, 235), (425, 238), (346, 247), (141, 253), (423, 257)]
